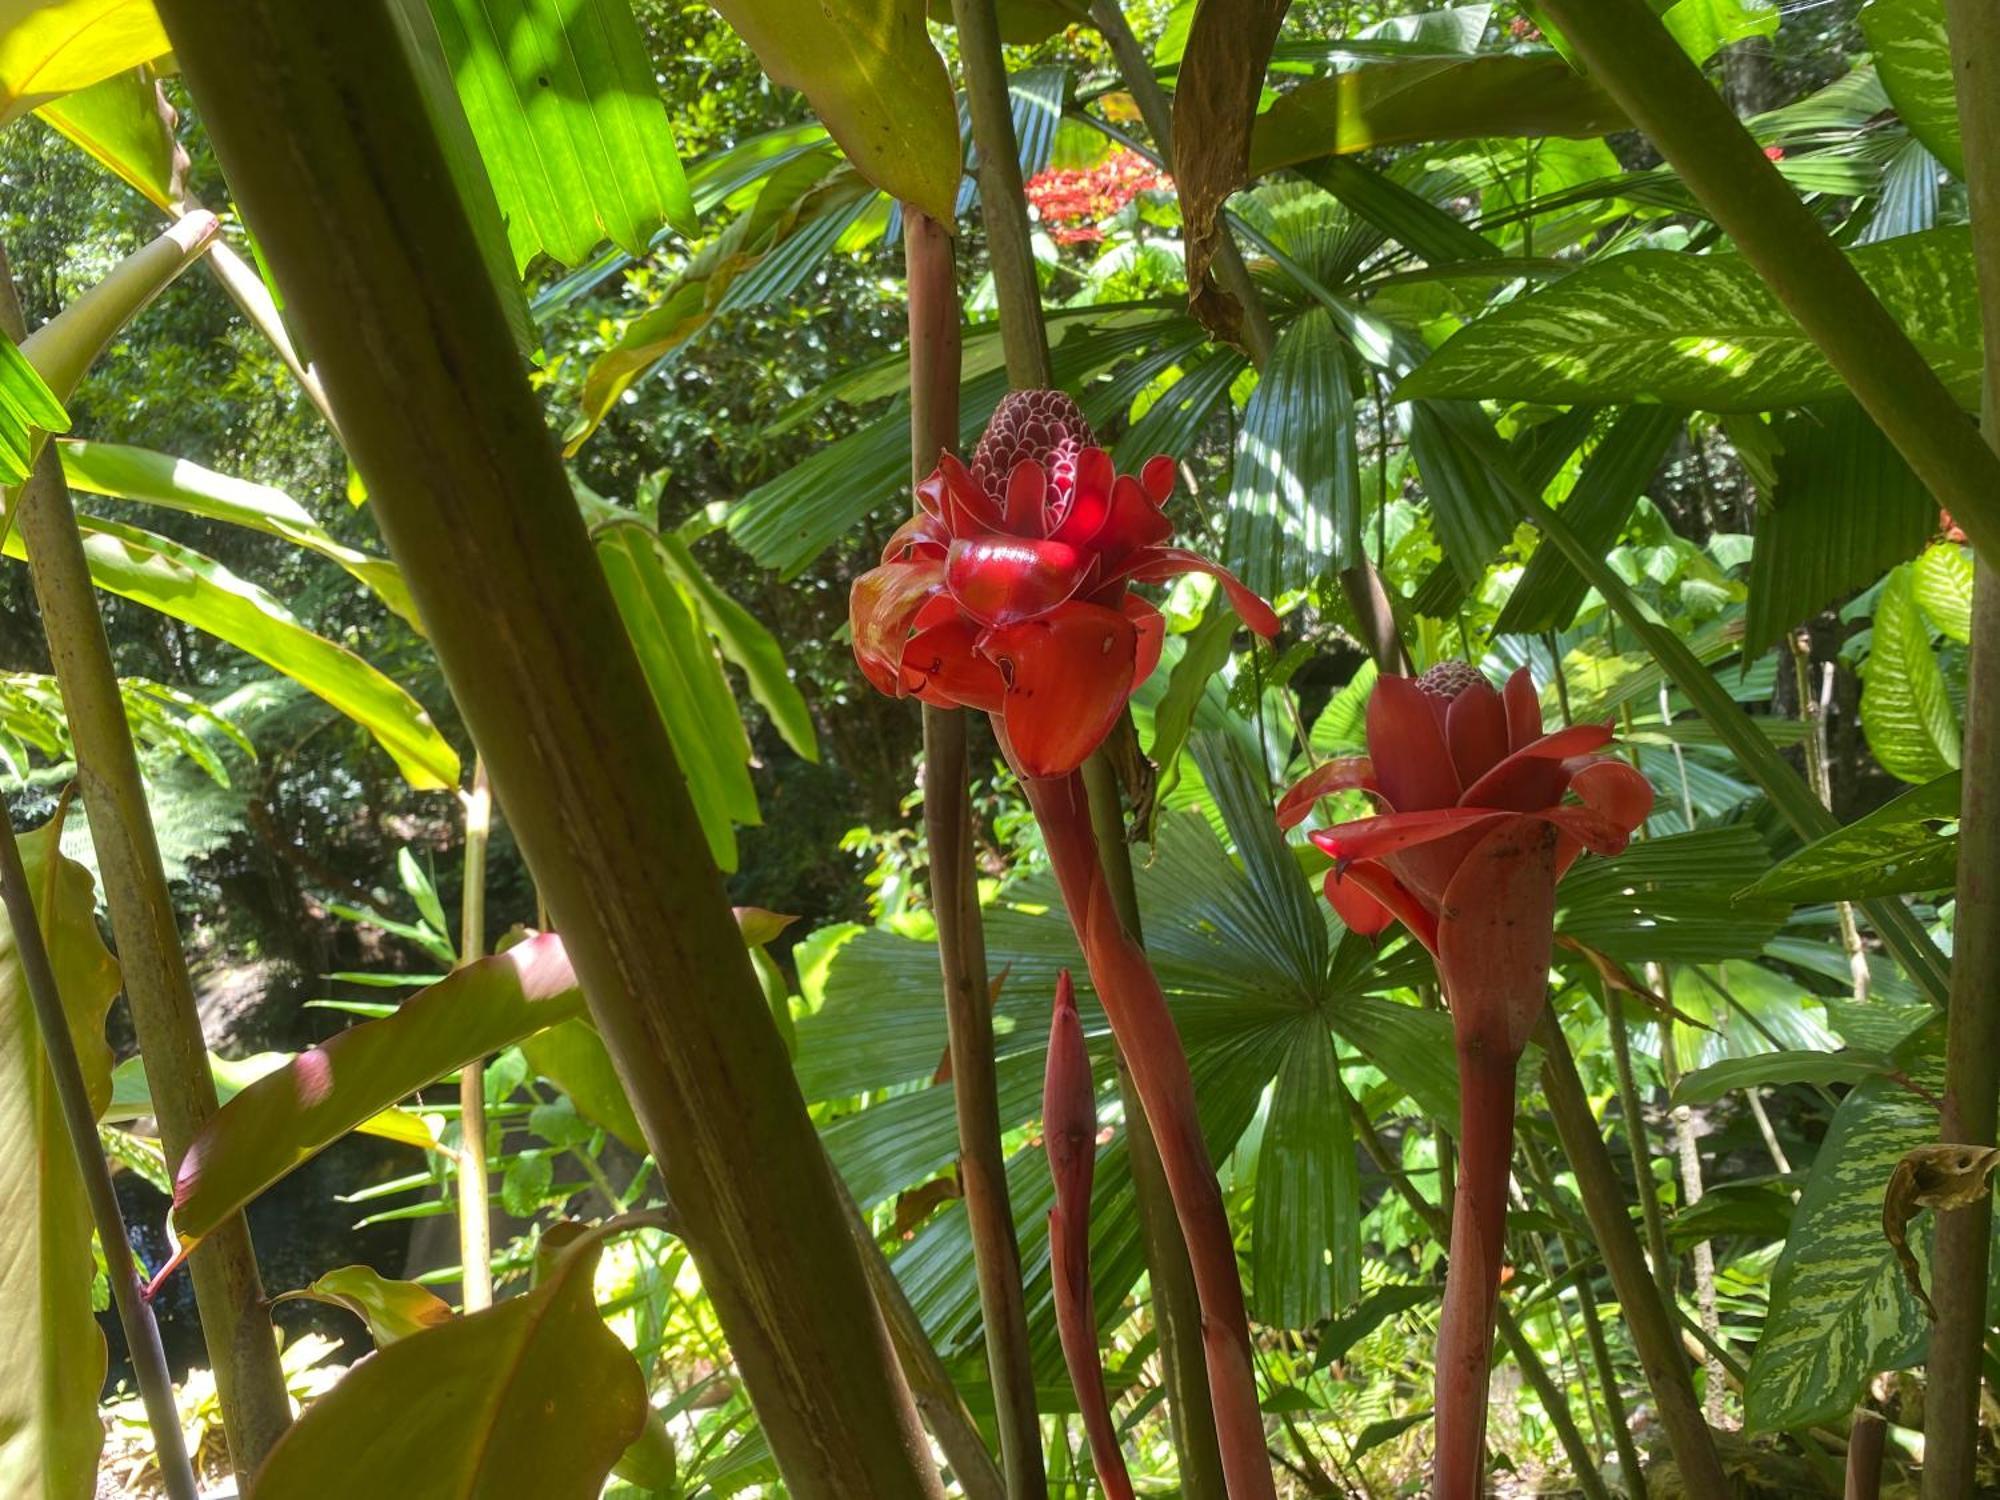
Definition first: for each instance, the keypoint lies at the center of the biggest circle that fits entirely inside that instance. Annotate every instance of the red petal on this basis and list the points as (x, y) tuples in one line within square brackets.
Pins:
[(1157, 478), (1475, 727), (1588, 827), (1614, 789), (1152, 628), (1134, 522), (942, 666), (1495, 933), (1158, 564), (1371, 838), (1390, 893), (923, 535), (1027, 496), (1001, 580), (881, 606), (1068, 674), (1534, 776), (1524, 711), (1349, 773), (962, 503), (1089, 503), (1353, 904), (1407, 745)]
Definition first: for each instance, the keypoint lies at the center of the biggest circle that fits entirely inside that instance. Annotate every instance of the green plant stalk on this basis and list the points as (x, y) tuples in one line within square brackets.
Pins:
[(475, 1214), (1663, 92), (322, 130), (142, 1334), (948, 831), (1630, 1470), (1900, 931), (1649, 1319), (1972, 1038), (1638, 1140), (249, 1383), (1555, 1402), (1176, 1304)]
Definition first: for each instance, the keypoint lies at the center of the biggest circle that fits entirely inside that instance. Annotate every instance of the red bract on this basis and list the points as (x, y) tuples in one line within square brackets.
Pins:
[(1010, 590), (1477, 828)]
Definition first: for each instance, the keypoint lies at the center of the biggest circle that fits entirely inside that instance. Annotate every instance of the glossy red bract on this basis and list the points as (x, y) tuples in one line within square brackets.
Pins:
[(1017, 599)]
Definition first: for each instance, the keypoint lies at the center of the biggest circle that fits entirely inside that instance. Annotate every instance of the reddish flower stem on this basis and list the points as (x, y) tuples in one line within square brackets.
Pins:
[(1472, 1283), (1132, 1000)]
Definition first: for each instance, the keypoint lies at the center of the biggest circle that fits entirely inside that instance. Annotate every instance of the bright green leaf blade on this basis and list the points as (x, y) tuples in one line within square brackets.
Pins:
[(392, 1309), (1472, 521), (1775, 1069), (1894, 850), (132, 1095), (1942, 582), (181, 583), (746, 642), (689, 689), (49, 48), (532, 1397), (1913, 58), (1701, 331), (871, 74), (569, 121), (1398, 103), (1205, 653), (52, 1360), (129, 473), (27, 407), (119, 122), (572, 1056), (1906, 711), (1305, 1238), (1845, 509), (279, 1122), (1840, 1309), (1705, 27), (1659, 901)]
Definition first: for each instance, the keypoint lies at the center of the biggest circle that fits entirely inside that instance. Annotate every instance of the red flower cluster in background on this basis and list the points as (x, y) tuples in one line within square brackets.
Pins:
[(1073, 203)]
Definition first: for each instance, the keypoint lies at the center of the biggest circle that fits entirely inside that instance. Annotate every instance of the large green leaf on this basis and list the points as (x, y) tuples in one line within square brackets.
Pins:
[(1844, 510), (1775, 1069), (49, 48), (130, 473), (121, 123), (1894, 850), (392, 1309), (871, 74), (1472, 521), (1913, 58), (1840, 1309), (1701, 331), (1659, 901), (1305, 1245), (1402, 102), (688, 686), (561, 98), (572, 1056), (183, 584), (1294, 503), (532, 1397), (282, 1120), (1906, 711), (1941, 578), (28, 408), (132, 1094), (52, 1359)]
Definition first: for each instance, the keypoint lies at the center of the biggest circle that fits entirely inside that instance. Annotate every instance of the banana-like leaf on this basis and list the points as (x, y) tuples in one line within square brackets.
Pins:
[(693, 697), (1895, 850), (534, 1396), (1402, 102), (129, 473), (1844, 510), (282, 1120), (570, 124), (392, 1309), (871, 74), (28, 408), (132, 1095), (1906, 710), (1294, 501), (52, 1359), (49, 48), (121, 122), (1701, 331), (1913, 58), (1840, 1309), (182, 583)]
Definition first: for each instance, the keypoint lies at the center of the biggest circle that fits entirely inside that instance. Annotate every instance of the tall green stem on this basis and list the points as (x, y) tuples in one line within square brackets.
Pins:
[(1972, 1046), (142, 1334), (1626, 47), (1176, 1303), (250, 1385), (948, 829), (323, 132), (1647, 1317), (475, 1218), (1639, 1141)]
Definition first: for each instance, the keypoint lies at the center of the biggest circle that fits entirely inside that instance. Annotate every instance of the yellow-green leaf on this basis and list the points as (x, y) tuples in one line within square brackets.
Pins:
[(392, 1309), (49, 48)]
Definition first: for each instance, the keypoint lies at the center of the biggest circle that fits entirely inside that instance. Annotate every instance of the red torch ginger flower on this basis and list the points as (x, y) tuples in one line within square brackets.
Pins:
[(1475, 832), (1009, 591)]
